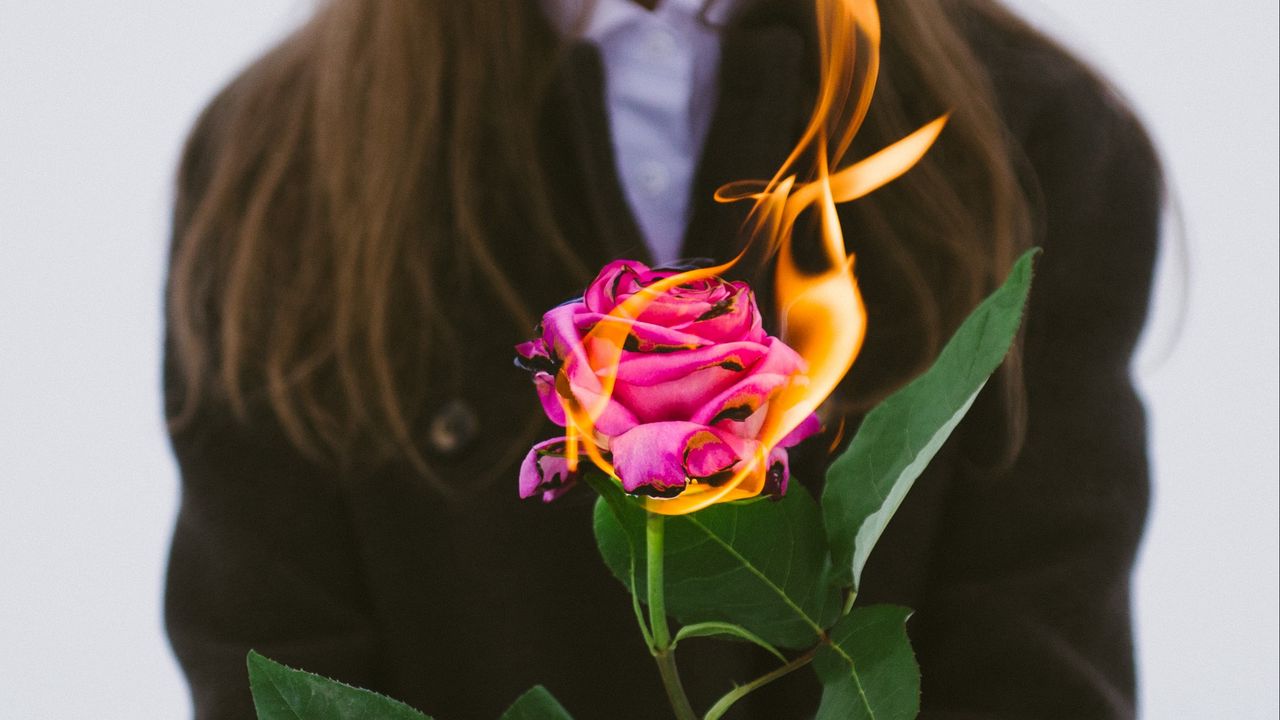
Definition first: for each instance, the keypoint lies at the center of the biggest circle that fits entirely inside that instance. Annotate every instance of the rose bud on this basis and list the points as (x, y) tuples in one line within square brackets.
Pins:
[(693, 383)]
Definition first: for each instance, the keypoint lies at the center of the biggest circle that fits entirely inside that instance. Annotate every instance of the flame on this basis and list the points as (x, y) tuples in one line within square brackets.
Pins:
[(821, 313)]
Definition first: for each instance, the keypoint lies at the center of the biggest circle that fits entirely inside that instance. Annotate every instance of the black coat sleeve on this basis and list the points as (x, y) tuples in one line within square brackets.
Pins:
[(1026, 612), (263, 554)]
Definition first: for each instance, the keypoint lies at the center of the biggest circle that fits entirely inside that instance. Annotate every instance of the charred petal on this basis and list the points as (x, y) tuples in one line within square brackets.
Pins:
[(775, 481), (617, 283), (635, 344), (558, 449), (732, 364), (659, 491), (546, 364), (724, 307), (736, 413), (718, 479)]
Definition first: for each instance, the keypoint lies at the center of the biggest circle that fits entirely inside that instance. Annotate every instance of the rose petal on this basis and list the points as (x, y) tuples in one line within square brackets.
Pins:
[(807, 427), (646, 337), (647, 369), (561, 333), (545, 383), (777, 475), (545, 471), (734, 318), (781, 359), (685, 304), (659, 459), (712, 308), (740, 402), (676, 386), (612, 283), (614, 419), (578, 377), (534, 355)]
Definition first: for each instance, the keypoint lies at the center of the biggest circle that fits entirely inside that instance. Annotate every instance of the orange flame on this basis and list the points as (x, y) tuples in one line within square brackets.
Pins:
[(821, 313)]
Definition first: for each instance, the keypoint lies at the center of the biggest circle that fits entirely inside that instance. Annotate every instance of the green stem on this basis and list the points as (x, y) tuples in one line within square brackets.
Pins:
[(653, 535), (663, 653), (723, 704), (666, 660)]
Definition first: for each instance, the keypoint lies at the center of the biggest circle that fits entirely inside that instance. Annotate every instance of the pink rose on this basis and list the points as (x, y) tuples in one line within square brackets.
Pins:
[(694, 380)]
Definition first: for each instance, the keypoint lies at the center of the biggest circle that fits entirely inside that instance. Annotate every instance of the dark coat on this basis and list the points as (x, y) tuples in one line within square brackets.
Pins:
[(1020, 579)]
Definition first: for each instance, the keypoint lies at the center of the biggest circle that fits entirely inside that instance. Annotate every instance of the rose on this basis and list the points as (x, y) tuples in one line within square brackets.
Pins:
[(694, 379)]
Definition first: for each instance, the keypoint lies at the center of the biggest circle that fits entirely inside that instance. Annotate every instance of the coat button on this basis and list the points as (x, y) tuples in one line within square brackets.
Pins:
[(453, 428)]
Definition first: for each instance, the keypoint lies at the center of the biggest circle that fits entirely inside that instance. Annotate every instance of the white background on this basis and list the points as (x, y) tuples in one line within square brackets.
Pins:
[(94, 101)]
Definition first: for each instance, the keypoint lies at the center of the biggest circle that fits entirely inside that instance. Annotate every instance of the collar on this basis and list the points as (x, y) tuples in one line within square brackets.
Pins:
[(765, 95), (595, 20)]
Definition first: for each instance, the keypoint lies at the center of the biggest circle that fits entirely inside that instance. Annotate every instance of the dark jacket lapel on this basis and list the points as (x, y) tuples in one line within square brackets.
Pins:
[(763, 102), (756, 122), (578, 156)]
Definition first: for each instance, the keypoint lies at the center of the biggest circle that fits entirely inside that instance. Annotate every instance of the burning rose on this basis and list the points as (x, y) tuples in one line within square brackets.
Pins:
[(681, 404)]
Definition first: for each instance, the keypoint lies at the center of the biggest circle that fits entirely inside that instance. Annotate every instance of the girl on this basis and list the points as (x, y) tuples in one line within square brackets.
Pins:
[(373, 214)]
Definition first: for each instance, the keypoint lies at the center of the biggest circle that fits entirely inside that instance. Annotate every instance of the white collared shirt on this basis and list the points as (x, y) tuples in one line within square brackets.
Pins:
[(660, 91)]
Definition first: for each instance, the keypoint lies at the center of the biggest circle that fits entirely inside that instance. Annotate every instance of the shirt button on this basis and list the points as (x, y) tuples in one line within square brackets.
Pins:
[(653, 178), (661, 43)]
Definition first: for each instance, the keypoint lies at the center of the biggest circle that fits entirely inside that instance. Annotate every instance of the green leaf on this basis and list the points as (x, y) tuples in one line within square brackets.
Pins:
[(868, 672), (723, 629), (866, 485), (282, 693), (618, 501), (760, 564), (536, 704)]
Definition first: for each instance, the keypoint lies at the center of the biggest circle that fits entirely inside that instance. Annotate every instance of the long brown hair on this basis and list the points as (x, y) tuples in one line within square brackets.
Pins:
[(319, 189)]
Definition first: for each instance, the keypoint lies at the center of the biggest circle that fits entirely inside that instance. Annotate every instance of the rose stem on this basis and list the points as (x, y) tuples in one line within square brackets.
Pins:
[(723, 704), (663, 654)]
